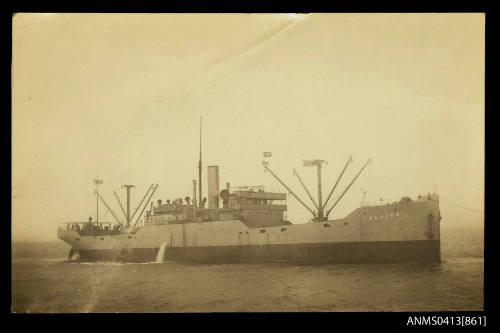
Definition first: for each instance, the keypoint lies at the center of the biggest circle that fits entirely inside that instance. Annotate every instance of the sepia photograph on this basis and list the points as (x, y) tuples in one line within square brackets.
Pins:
[(266, 162)]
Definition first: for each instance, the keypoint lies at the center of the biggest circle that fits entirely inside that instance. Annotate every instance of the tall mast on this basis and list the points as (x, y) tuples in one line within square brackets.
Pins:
[(194, 198), (97, 182), (199, 169)]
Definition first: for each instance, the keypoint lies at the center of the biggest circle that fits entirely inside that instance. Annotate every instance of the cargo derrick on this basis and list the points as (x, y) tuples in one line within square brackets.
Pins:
[(318, 215)]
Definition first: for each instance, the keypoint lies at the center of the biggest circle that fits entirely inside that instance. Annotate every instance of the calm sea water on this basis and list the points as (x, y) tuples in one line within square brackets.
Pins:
[(43, 280)]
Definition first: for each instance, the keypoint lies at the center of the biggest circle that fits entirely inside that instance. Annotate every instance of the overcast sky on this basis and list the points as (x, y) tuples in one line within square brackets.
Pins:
[(119, 97)]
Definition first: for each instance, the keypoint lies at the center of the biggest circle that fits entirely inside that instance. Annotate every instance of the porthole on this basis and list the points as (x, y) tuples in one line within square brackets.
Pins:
[(326, 225)]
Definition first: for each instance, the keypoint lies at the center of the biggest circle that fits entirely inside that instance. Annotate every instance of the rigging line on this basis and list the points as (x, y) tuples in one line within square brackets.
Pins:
[(466, 208)]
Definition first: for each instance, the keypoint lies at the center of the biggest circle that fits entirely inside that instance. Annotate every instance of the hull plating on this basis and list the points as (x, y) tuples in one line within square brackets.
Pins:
[(349, 252)]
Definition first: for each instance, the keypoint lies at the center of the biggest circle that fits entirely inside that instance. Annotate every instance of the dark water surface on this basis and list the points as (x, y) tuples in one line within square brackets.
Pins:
[(43, 280)]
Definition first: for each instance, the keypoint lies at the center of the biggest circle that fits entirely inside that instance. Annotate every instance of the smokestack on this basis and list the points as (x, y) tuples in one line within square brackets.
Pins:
[(213, 186)]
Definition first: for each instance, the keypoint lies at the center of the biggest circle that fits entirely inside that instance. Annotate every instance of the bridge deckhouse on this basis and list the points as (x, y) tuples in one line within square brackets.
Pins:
[(259, 208)]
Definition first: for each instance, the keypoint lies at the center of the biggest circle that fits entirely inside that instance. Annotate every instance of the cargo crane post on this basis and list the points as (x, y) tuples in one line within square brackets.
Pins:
[(347, 188), (128, 187), (320, 201), (318, 164)]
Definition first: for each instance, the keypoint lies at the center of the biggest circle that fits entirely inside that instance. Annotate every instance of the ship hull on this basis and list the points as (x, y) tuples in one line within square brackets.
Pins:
[(335, 253), (399, 232)]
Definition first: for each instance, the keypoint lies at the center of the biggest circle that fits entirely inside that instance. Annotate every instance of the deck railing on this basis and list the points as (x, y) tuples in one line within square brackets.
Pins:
[(89, 228)]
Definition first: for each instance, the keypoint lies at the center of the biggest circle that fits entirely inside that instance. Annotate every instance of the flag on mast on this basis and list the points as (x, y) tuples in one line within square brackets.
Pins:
[(308, 163), (313, 162), (267, 154), (97, 181)]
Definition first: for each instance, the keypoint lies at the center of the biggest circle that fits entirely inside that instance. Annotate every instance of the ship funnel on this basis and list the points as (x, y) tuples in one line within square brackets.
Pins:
[(213, 186)]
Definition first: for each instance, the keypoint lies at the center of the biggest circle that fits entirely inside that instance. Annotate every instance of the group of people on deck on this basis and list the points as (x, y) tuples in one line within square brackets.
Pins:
[(91, 228)]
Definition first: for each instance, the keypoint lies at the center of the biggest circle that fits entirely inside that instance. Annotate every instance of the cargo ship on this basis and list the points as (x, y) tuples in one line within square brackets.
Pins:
[(249, 224)]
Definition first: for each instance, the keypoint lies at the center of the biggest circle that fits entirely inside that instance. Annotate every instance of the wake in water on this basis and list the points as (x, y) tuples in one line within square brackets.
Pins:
[(55, 260), (74, 254), (160, 257), (110, 263)]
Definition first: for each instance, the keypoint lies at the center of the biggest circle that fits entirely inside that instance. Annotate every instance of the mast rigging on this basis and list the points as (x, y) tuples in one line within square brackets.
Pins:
[(150, 196), (140, 204), (336, 183), (109, 209)]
